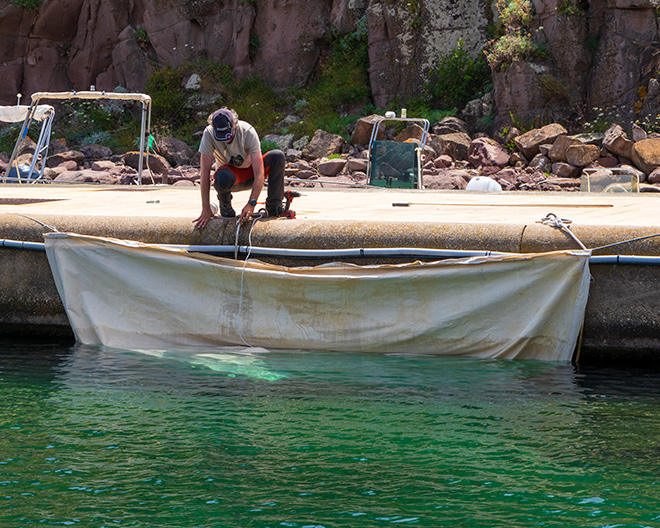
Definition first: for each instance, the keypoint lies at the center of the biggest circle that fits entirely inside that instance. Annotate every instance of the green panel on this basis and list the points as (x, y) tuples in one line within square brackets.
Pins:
[(394, 164)]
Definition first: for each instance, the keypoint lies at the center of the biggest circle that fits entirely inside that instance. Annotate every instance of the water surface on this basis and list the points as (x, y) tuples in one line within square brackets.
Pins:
[(237, 438)]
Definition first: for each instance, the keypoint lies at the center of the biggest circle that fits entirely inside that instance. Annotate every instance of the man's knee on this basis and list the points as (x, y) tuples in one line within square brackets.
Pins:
[(275, 160), (224, 180)]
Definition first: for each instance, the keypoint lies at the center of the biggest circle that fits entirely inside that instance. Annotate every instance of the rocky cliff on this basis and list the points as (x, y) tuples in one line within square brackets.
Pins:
[(597, 54)]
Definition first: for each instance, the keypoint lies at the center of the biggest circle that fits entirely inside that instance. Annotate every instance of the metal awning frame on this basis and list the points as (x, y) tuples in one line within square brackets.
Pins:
[(42, 150)]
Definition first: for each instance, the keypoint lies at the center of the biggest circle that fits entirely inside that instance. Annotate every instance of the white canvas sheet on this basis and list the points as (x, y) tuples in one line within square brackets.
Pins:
[(130, 295), (17, 114)]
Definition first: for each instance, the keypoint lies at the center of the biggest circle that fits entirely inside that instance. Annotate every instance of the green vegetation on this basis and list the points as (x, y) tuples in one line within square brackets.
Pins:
[(8, 135), (267, 145), (458, 79), (569, 8), (30, 5), (142, 38), (515, 40), (343, 83), (168, 100)]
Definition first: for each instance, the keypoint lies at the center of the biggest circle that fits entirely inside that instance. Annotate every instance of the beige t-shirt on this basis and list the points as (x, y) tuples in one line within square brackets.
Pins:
[(236, 152)]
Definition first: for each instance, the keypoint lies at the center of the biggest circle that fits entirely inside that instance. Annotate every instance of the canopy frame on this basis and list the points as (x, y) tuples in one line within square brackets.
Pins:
[(43, 113), (37, 97)]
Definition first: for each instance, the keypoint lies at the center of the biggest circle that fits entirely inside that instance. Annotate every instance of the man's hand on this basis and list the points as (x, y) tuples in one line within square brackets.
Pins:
[(204, 218), (246, 213)]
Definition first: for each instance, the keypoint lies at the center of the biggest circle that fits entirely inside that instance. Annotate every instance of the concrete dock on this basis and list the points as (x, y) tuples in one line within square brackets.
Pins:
[(623, 312)]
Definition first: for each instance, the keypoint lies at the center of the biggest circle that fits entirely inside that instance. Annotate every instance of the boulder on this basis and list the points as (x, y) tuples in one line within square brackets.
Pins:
[(293, 155), (194, 82), (412, 131), (450, 125), (184, 183), (323, 145), (69, 155), (175, 151), (156, 163), (357, 164), (284, 142), (446, 180), (364, 128), (590, 138), (301, 143), (455, 145), (564, 170), (306, 174), (69, 165), (443, 161), (529, 142), (102, 165), (88, 176), (332, 167), (541, 163), (616, 141), (608, 161), (518, 159), (57, 146), (638, 133), (654, 177), (557, 151), (479, 111), (488, 155), (95, 151), (582, 155), (646, 154)]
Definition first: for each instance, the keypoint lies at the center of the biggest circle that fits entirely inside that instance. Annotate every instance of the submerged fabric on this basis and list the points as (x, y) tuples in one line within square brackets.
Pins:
[(130, 295)]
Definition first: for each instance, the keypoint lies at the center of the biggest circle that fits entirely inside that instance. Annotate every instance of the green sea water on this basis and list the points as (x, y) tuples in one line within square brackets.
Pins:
[(249, 438)]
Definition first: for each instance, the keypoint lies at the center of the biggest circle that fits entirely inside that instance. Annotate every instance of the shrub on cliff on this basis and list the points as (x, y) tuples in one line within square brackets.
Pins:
[(458, 79), (342, 85), (515, 39)]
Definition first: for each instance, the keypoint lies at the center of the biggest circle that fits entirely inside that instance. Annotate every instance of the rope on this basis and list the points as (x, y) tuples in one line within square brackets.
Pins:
[(240, 302), (553, 220), (54, 230), (626, 241)]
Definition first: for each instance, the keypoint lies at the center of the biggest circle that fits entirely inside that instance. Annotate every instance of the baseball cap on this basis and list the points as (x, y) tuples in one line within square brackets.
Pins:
[(223, 125)]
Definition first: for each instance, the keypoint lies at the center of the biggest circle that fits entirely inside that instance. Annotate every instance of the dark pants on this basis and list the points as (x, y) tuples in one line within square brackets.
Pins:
[(226, 181)]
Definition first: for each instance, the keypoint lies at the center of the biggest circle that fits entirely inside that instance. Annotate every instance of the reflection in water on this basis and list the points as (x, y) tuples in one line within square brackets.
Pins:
[(238, 437)]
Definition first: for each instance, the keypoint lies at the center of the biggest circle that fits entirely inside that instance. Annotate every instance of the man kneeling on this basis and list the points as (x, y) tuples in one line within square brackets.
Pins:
[(235, 147)]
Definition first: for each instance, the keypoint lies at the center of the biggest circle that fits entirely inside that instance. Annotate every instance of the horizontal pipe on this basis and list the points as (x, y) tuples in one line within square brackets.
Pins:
[(639, 260), (19, 244), (335, 253)]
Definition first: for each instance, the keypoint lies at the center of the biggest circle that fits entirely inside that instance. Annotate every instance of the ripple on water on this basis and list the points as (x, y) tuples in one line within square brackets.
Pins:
[(98, 437)]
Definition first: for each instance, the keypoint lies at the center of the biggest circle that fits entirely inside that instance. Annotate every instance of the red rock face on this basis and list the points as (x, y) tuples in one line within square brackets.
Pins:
[(73, 44)]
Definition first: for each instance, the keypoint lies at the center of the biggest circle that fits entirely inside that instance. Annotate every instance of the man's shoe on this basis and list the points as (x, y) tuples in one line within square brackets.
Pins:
[(226, 210), (275, 209)]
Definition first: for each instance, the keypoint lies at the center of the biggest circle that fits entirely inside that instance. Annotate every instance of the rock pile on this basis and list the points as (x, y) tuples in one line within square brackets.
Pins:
[(543, 159)]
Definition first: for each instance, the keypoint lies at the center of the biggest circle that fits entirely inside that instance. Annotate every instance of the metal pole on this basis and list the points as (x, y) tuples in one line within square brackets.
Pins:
[(144, 118)]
